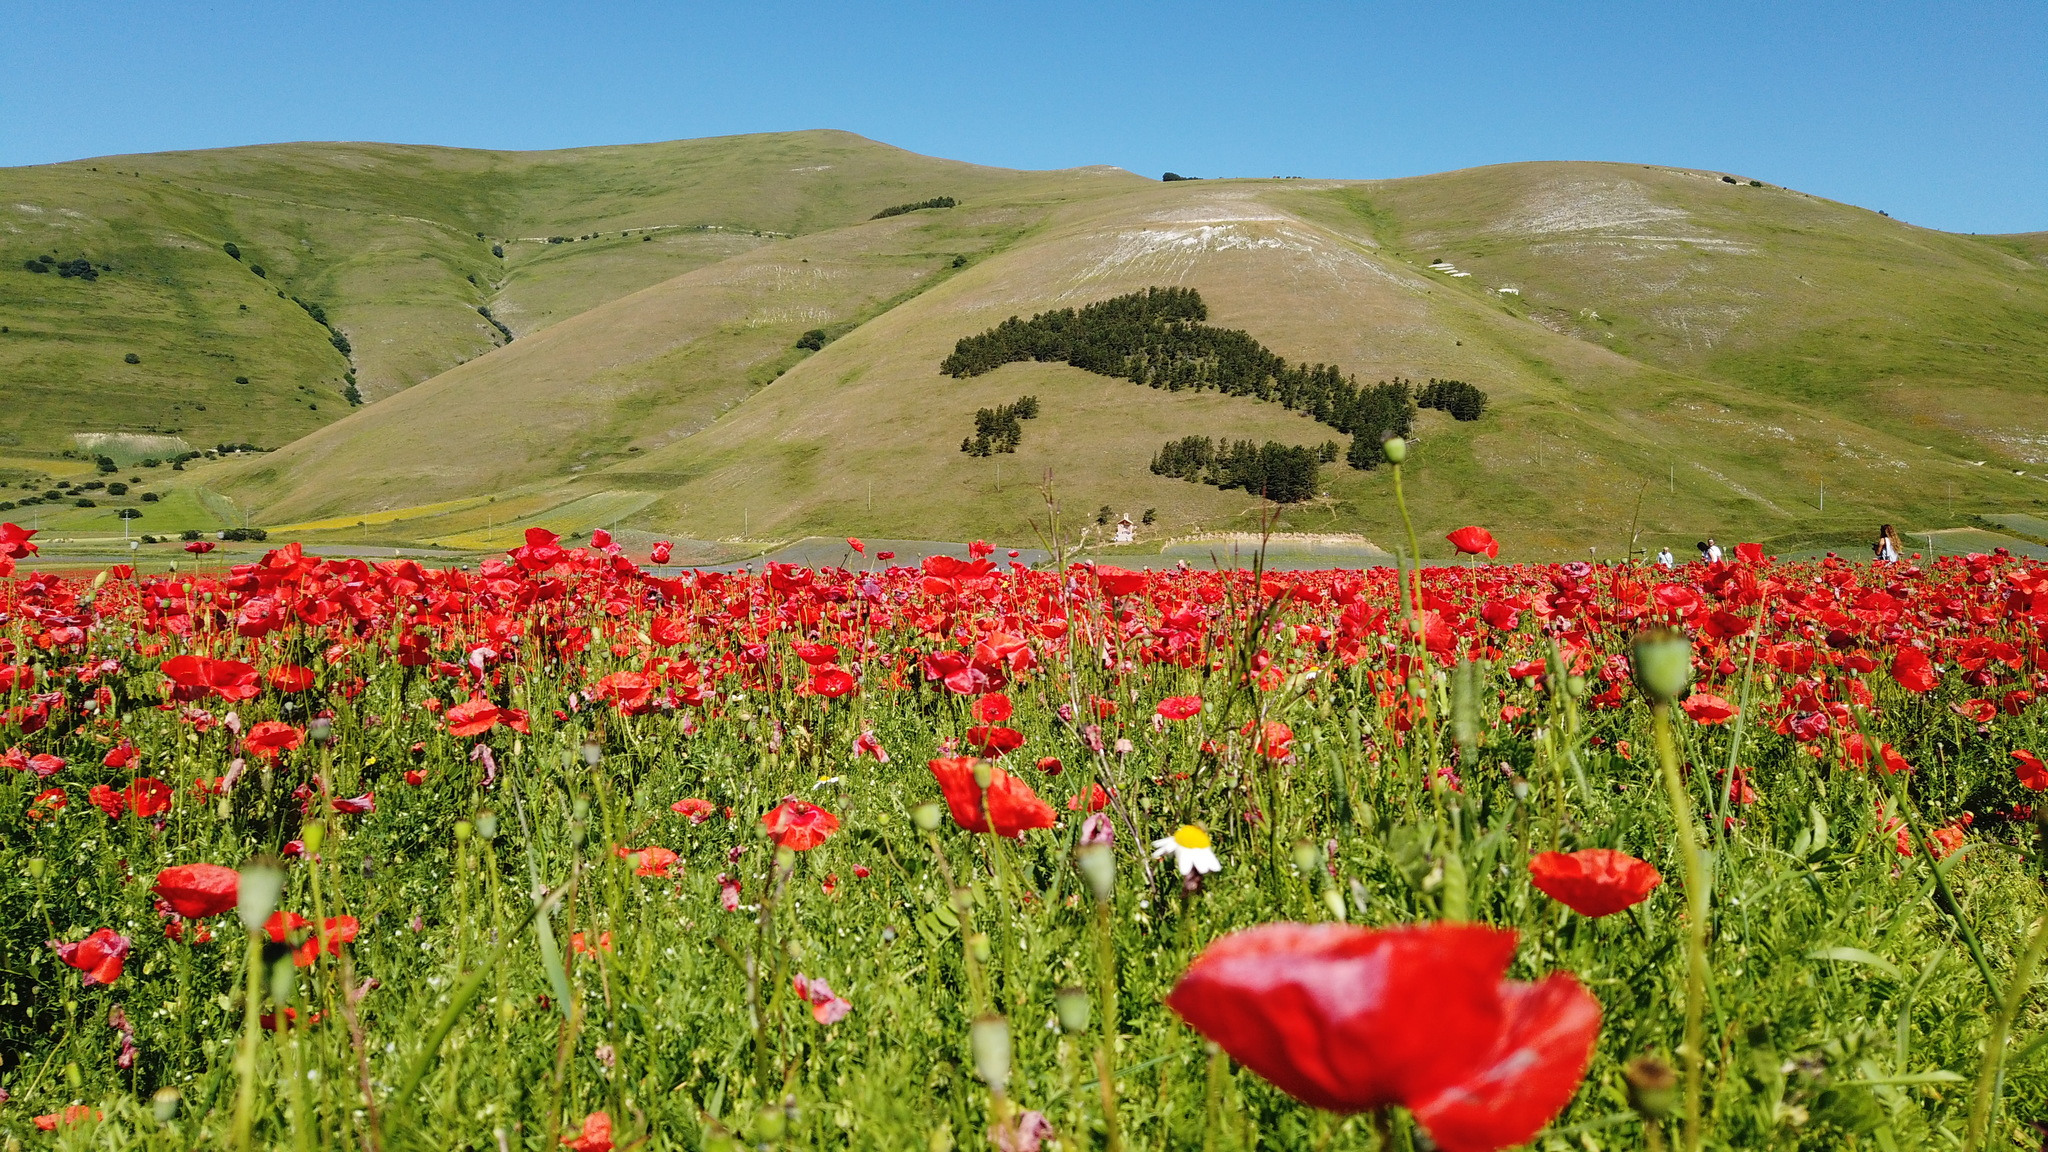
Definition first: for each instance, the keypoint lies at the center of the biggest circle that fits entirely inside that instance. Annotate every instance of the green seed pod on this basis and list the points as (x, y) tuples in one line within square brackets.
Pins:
[(36, 867), (990, 1039), (978, 944), (1663, 664), (262, 882), (984, 773), (1306, 857), (1072, 1006), (314, 835), (1395, 448), (73, 1076), (1334, 901), (462, 830), (1098, 867), (926, 817), (165, 1104)]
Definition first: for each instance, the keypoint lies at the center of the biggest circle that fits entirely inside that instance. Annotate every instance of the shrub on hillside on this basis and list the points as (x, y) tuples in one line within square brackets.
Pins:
[(1463, 401), (231, 250), (813, 340), (1000, 429), (900, 209)]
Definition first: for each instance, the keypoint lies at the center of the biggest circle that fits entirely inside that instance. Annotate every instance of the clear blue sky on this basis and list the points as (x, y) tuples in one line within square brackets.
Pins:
[(1937, 113)]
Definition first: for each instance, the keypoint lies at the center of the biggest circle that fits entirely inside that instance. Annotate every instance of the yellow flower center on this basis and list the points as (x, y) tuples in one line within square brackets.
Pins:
[(1190, 836)]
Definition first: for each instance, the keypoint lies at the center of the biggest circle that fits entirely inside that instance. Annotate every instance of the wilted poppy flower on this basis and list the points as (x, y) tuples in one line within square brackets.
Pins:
[(357, 805), (1708, 709), (99, 956), (992, 741), (196, 891), (831, 682), (827, 1007), (1475, 541), (1913, 671), (866, 744), (595, 1137), (799, 826), (2033, 775), (1594, 881), (697, 810), (1354, 1019), (1179, 707), (270, 739), (473, 717), (1012, 806)]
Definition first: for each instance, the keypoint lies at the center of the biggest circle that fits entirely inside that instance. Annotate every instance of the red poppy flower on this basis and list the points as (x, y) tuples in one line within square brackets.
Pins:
[(473, 717), (799, 826), (196, 891), (200, 547), (1117, 581), (660, 552), (816, 655), (993, 708), (14, 542), (855, 543), (122, 755), (74, 1115), (147, 797), (357, 805), (1097, 800), (697, 810), (649, 861), (1594, 881), (196, 676), (1475, 541), (290, 678), (1179, 707), (282, 924), (270, 739), (1913, 671), (1708, 709), (107, 800), (1354, 1019), (340, 930), (993, 741), (1012, 805), (1976, 711), (2033, 775), (1275, 741), (831, 682), (595, 1137), (99, 956)]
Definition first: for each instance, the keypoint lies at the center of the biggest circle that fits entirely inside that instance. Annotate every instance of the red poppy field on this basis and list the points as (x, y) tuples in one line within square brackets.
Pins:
[(561, 852)]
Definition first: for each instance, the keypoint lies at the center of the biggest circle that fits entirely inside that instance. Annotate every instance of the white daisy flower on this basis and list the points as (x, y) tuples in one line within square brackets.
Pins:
[(1191, 851)]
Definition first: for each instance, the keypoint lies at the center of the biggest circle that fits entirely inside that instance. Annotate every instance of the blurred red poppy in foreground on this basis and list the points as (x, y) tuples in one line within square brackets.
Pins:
[(196, 891), (596, 1135), (70, 1117), (1012, 805), (1475, 541), (798, 826), (99, 956), (1594, 881), (1913, 671), (1354, 1019)]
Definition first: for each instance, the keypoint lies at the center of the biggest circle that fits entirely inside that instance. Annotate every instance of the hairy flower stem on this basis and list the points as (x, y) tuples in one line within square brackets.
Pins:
[(1696, 897), (1212, 1104), (2016, 989), (245, 1060), (1105, 1049)]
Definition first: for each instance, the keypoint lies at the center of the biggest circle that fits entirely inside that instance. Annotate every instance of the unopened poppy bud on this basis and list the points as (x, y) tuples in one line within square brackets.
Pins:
[(1395, 448), (1576, 685), (984, 773), (99, 581), (256, 895), (773, 1121), (978, 944), (320, 731), (313, 835), (926, 817), (462, 829), (785, 858), (1652, 1086), (1098, 867), (487, 825), (284, 980), (1072, 1006), (1306, 857), (990, 1039), (1663, 664), (35, 868), (165, 1104), (592, 753), (73, 1076), (1334, 901)]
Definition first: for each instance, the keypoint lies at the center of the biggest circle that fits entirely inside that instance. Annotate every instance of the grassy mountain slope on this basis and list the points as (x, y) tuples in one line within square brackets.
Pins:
[(395, 244), (864, 436)]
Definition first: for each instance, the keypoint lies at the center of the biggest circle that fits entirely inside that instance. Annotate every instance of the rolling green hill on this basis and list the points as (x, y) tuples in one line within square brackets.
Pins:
[(1664, 349)]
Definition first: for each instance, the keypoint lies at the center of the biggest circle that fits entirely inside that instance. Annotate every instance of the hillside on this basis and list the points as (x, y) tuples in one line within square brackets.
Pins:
[(1663, 348), (394, 244)]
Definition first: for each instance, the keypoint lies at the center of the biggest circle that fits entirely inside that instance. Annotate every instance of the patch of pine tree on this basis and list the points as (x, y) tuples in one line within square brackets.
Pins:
[(900, 209), (1157, 338), (1000, 429), (1280, 472), (1463, 401)]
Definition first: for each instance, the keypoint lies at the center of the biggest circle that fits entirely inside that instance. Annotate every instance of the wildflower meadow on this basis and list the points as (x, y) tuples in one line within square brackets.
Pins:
[(567, 850)]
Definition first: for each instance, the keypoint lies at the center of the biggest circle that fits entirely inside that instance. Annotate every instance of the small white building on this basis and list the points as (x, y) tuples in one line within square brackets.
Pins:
[(1125, 530)]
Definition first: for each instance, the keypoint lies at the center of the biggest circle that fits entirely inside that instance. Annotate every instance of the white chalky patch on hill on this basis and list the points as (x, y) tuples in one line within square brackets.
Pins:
[(1588, 206), (1169, 254)]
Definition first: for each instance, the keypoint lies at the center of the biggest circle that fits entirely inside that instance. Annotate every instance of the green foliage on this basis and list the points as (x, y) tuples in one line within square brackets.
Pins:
[(812, 340), (231, 250), (900, 209), (1000, 429), (1281, 473), (1463, 401)]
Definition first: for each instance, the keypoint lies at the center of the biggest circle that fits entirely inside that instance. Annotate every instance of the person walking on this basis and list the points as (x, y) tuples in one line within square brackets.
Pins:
[(1887, 547), (1665, 559)]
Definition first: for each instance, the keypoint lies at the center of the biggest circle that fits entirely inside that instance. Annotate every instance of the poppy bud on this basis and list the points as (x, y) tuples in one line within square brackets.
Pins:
[(1072, 1006), (73, 1076), (1395, 448), (772, 1123), (284, 982), (1652, 1086), (1334, 901), (926, 817), (320, 731), (592, 753), (487, 824), (990, 1039), (1663, 664), (256, 896), (1306, 857), (978, 944), (35, 868), (462, 830), (165, 1104), (984, 773), (1098, 866), (313, 835)]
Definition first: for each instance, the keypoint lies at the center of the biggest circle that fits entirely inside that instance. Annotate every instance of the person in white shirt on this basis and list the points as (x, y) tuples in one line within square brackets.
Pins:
[(1713, 551), (1665, 559)]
